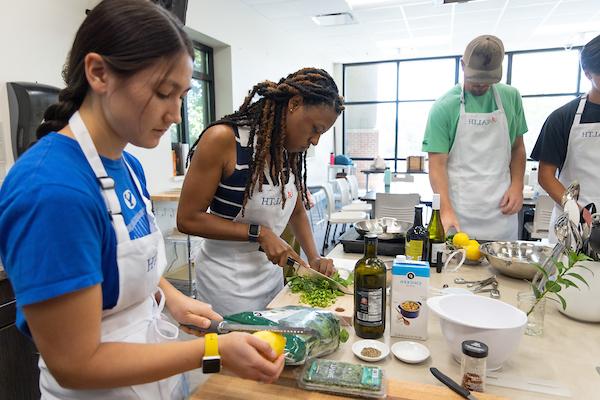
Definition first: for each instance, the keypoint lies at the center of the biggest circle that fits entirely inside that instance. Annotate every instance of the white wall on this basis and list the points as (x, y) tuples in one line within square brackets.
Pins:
[(36, 37)]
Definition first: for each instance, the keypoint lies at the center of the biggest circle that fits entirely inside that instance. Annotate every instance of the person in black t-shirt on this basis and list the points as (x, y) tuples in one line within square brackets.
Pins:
[(570, 141)]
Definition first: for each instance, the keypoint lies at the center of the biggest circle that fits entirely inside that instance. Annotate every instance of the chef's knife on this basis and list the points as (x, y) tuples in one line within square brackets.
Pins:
[(301, 270), (226, 327), (452, 385)]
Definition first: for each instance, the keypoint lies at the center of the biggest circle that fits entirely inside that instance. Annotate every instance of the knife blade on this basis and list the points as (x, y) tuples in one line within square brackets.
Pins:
[(226, 327), (301, 270), (452, 384)]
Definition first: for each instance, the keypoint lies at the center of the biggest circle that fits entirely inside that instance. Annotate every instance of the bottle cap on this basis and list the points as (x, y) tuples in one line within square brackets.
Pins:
[(370, 235), (474, 348)]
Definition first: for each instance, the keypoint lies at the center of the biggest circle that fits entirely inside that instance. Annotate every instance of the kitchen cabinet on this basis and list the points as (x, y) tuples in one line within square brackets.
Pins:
[(19, 373)]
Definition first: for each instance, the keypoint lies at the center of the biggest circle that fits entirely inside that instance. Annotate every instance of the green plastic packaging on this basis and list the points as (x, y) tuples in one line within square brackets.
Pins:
[(343, 378)]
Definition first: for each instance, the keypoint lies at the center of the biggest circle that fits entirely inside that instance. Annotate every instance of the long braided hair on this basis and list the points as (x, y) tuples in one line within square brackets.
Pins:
[(266, 120)]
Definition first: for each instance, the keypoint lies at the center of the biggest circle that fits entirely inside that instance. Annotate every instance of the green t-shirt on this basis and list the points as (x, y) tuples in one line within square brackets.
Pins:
[(444, 114)]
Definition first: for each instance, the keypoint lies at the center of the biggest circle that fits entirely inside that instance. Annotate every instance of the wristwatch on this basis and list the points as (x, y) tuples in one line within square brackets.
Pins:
[(253, 232), (211, 362)]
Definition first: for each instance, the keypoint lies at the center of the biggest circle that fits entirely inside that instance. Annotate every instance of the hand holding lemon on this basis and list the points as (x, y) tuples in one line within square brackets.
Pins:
[(275, 340)]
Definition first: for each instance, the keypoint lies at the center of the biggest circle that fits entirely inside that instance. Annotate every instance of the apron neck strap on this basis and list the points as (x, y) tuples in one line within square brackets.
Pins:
[(106, 183), (580, 108), (496, 98)]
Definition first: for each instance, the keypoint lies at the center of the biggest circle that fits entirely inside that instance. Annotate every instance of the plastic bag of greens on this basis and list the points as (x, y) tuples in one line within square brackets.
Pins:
[(299, 348)]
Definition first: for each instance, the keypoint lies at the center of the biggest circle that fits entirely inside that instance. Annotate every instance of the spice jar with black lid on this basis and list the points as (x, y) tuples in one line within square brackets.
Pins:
[(473, 365)]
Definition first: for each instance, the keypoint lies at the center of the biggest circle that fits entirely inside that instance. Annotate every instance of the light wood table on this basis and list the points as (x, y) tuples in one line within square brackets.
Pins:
[(566, 354)]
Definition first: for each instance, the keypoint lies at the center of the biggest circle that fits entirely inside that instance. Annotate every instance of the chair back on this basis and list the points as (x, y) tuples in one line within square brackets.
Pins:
[(543, 213), (397, 205), (344, 188), (330, 199), (353, 182)]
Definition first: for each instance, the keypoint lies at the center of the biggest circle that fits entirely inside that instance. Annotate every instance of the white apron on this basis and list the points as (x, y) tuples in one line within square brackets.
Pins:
[(136, 318), (479, 173), (234, 276), (582, 164)]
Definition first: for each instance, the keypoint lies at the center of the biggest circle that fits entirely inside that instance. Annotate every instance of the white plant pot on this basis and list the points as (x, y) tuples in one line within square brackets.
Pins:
[(584, 303)]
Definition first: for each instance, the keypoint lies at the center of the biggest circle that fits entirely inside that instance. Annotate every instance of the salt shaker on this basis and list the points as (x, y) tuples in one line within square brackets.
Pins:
[(473, 364)]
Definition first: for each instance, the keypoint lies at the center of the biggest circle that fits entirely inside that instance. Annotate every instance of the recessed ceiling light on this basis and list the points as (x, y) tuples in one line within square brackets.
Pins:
[(344, 18)]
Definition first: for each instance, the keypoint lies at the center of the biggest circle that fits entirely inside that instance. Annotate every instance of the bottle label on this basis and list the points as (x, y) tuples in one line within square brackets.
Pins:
[(369, 306), (414, 250), (435, 249)]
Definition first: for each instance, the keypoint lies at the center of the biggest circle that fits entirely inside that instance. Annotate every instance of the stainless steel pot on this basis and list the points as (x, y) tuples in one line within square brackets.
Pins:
[(385, 228), (516, 259)]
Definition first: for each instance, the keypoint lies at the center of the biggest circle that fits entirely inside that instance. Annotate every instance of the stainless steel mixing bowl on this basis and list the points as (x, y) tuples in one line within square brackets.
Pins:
[(385, 228), (516, 259)]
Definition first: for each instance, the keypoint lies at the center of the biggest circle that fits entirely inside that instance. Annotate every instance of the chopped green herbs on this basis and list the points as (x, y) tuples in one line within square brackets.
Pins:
[(318, 292)]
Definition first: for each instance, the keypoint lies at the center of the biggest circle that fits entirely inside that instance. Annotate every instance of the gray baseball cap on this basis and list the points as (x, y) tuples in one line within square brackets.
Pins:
[(483, 60)]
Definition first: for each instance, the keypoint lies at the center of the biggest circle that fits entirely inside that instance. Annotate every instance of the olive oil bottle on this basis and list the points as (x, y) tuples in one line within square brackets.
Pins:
[(369, 292), (436, 236), (416, 238)]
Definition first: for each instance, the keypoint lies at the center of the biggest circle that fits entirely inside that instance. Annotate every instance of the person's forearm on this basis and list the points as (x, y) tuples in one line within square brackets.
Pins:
[(517, 164), (210, 226), (303, 232), (125, 364), (548, 181), (438, 178)]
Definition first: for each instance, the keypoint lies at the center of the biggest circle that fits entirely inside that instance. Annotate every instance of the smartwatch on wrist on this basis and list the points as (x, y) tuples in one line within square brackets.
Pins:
[(253, 232), (211, 362)]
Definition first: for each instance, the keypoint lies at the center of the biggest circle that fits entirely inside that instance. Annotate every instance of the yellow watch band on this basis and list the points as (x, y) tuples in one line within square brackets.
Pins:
[(211, 345)]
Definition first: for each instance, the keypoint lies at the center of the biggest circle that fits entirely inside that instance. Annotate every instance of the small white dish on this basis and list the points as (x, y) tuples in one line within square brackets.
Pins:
[(357, 348), (410, 352)]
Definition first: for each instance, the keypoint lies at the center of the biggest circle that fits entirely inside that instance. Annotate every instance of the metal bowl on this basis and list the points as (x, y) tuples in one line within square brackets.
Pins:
[(385, 228), (516, 259)]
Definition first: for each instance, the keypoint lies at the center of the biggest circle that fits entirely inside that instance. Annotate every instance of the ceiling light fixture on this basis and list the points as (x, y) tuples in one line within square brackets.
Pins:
[(343, 18)]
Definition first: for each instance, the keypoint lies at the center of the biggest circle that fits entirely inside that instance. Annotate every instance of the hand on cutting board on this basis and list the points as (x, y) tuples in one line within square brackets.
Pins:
[(249, 357), (323, 265), (276, 249), (187, 310)]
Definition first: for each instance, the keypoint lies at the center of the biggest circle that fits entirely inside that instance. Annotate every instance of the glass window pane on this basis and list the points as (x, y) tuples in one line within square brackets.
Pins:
[(369, 130), (197, 108), (412, 118), (435, 78), (585, 85), (200, 61), (372, 82), (537, 109), (461, 74), (545, 72)]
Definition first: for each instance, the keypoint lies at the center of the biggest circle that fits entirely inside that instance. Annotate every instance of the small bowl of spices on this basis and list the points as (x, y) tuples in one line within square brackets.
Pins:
[(370, 350)]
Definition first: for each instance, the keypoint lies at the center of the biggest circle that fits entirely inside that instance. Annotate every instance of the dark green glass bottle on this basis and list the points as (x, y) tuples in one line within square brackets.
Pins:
[(369, 292), (416, 238)]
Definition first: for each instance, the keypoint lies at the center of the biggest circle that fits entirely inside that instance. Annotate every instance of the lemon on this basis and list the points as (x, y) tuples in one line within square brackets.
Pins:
[(275, 340), (473, 253), (460, 239), (473, 242)]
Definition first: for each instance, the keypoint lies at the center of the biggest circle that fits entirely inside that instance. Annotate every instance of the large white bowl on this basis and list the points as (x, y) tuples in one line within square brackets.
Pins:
[(584, 303), (493, 322)]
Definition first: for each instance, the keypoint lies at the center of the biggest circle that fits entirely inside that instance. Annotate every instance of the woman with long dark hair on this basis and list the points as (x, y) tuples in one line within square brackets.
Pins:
[(249, 168), (78, 237)]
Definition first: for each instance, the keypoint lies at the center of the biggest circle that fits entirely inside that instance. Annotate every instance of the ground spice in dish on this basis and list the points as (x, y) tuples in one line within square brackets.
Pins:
[(370, 352)]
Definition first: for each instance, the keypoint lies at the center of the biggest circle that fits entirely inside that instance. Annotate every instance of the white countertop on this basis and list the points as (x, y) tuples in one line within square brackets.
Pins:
[(567, 353)]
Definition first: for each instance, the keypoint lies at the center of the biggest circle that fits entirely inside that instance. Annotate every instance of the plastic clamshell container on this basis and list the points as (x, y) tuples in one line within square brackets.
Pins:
[(343, 378)]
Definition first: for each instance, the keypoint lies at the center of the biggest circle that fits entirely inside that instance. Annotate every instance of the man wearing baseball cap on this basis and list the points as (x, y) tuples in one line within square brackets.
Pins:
[(570, 141), (475, 145)]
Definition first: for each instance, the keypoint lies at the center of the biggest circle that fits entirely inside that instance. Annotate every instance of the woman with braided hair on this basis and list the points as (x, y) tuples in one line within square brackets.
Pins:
[(77, 234), (250, 169)]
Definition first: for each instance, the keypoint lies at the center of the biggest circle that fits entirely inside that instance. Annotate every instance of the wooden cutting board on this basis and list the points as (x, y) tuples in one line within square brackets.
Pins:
[(343, 306), (226, 387)]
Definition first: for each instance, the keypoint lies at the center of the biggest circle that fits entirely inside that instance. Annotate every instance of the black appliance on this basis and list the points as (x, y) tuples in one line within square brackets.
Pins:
[(353, 242), (177, 7), (27, 103), (19, 373)]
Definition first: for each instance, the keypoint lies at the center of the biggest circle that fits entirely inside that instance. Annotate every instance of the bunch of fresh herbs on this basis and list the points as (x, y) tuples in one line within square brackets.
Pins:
[(564, 278), (318, 292)]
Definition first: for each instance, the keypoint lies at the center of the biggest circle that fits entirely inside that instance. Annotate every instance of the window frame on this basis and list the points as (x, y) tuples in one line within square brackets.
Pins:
[(509, 54)]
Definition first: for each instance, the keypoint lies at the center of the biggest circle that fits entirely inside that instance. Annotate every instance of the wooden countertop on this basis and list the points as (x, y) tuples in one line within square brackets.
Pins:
[(566, 354), (169, 195)]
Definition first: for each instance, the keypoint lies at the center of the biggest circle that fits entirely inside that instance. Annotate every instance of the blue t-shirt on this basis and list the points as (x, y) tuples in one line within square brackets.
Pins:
[(55, 233)]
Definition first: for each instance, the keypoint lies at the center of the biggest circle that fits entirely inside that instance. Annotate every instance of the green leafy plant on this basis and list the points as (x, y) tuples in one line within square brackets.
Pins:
[(564, 279), (318, 292)]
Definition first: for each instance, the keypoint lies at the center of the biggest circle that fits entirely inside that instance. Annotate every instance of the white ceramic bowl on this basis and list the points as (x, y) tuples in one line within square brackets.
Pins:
[(410, 352), (465, 317), (357, 348), (584, 303)]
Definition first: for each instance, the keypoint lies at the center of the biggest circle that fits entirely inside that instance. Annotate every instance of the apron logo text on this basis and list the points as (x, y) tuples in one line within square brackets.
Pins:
[(590, 134), (271, 201), (479, 122), (151, 263)]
